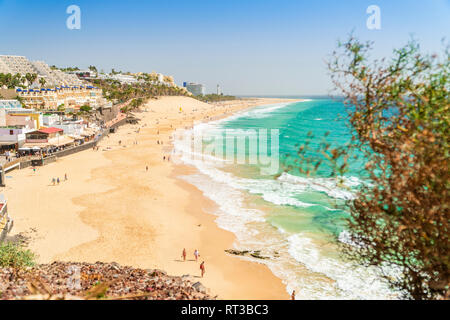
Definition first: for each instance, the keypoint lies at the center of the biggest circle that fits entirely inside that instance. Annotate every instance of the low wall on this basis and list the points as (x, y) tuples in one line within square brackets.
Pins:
[(48, 160), (118, 124), (6, 229), (25, 164), (67, 152), (5, 223)]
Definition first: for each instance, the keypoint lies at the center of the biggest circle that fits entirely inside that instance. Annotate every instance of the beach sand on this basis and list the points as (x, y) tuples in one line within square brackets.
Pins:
[(112, 209)]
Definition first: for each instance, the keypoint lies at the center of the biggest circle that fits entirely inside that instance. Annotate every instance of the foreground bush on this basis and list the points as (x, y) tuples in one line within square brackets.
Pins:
[(15, 256)]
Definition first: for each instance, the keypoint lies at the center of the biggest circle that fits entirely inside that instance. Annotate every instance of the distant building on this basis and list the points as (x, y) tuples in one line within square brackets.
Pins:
[(84, 74), (70, 97), (10, 104), (22, 66), (46, 138), (13, 137), (219, 90), (195, 88), (23, 117), (123, 78)]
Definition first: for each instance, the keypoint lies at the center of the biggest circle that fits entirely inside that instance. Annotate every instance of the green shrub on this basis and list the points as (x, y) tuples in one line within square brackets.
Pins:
[(14, 255)]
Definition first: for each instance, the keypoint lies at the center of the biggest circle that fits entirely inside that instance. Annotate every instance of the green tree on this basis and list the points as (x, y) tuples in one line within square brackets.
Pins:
[(42, 82), (85, 109), (398, 110)]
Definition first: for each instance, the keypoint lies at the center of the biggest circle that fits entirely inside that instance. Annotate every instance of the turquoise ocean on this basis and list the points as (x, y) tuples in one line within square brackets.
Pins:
[(294, 220)]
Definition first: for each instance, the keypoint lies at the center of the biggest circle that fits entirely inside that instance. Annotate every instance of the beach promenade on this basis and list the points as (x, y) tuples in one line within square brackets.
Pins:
[(112, 209)]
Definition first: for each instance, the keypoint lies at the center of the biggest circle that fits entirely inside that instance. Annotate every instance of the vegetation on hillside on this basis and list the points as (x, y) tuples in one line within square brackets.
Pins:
[(138, 92), (67, 69), (214, 98), (13, 81)]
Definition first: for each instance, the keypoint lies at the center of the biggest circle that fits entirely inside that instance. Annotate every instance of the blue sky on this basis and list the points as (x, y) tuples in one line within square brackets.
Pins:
[(249, 47)]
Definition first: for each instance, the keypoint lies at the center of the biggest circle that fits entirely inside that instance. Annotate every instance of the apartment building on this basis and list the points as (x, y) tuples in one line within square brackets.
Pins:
[(16, 64), (195, 88), (68, 97), (22, 66), (55, 77)]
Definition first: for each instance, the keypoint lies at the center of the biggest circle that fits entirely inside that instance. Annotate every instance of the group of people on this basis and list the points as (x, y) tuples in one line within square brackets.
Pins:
[(196, 256), (57, 180)]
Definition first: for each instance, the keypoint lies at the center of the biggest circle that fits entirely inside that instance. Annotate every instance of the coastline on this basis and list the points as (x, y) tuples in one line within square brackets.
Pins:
[(118, 212)]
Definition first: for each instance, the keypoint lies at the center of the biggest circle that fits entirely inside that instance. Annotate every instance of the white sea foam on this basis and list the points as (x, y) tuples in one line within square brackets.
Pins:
[(300, 262), (353, 281), (338, 188)]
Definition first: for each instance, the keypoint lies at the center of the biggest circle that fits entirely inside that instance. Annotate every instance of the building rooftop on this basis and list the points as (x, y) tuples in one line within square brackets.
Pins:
[(50, 130)]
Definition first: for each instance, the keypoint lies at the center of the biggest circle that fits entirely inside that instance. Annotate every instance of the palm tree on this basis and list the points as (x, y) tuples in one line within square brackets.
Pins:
[(42, 82)]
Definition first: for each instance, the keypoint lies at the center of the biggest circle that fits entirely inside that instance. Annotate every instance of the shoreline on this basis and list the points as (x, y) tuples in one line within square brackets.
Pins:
[(118, 212)]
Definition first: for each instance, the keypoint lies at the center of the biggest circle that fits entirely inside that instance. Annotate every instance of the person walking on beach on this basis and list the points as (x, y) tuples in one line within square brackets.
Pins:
[(65, 177), (184, 254), (57, 181), (196, 254), (53, 181), (146, 168), (202, 268), (293, 295)]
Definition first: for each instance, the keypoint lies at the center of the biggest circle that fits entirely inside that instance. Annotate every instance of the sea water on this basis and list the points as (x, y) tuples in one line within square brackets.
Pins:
[(293, 219)]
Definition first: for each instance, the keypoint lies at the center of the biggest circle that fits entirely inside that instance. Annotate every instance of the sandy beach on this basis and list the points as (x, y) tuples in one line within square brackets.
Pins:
[(113, 209)]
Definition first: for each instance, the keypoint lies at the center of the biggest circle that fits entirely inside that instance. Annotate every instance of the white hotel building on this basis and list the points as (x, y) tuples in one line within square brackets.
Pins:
[(21, 65)]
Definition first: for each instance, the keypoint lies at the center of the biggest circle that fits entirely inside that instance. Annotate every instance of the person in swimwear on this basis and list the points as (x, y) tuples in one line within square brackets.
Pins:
[(196, 254), (202, 268)]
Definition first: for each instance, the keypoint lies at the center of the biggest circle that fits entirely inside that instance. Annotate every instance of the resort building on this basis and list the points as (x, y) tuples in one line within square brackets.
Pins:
[(64, 96), (15, 122), (24, 118), (55, 77), (123, 78), (10, 104), (22, 66), (15, 64), (84, 74), (12, 138), (46, 138), (195, 88), (13, 114), (76, 129), (49, 120)]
